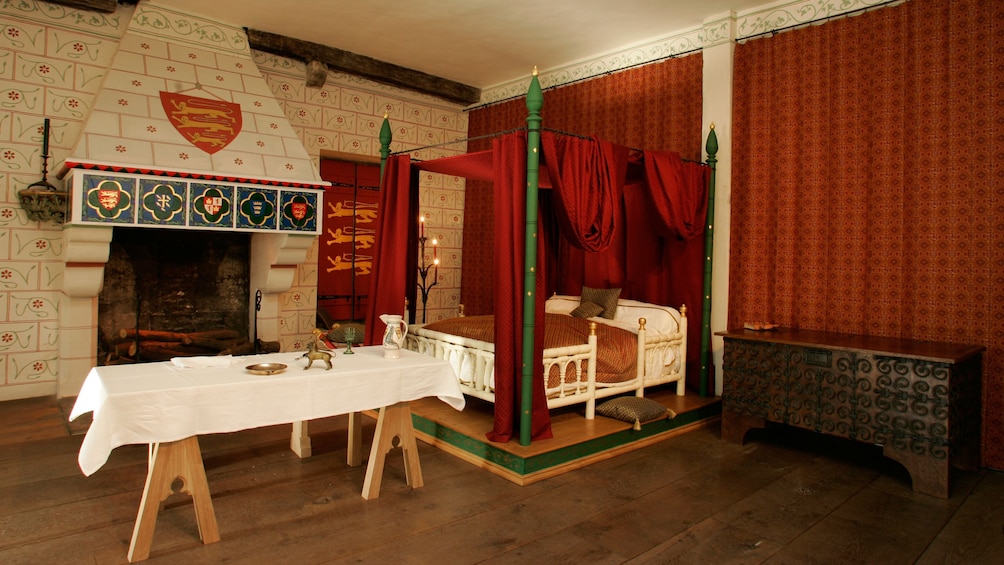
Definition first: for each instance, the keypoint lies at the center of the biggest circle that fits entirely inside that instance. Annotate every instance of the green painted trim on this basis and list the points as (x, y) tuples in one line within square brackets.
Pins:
[(527, 466)]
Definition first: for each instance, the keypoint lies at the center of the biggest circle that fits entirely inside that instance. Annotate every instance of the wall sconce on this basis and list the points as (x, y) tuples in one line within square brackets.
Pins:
[(42, 201)]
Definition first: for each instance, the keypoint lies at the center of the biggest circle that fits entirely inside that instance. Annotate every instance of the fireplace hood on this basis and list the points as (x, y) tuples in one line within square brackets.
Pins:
[(186, 133)]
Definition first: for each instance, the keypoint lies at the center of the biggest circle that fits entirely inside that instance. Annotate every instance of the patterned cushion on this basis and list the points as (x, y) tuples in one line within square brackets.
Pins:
[(634, 409), (587, 310), (607, 298)]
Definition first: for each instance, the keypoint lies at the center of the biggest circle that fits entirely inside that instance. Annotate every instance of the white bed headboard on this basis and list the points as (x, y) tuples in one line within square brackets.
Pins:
[(661, 319)]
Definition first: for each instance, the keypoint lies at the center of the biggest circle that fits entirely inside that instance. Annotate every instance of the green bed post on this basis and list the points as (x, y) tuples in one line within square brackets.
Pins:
[(534, 102), (385, 138), (709, 244)]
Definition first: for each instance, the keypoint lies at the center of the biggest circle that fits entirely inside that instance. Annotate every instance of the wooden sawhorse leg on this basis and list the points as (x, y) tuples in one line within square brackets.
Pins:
[(169, 461), (299, 441), (393, 422), (355, 453)]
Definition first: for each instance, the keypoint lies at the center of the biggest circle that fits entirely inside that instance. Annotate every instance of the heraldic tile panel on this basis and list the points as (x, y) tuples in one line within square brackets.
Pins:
[(163, 202)]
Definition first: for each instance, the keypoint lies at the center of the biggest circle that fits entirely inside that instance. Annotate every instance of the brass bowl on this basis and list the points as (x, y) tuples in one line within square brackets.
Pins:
[(265, 368)]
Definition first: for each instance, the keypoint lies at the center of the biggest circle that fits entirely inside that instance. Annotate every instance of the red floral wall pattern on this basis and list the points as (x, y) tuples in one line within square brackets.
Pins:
[(656, 106), (868, 186)]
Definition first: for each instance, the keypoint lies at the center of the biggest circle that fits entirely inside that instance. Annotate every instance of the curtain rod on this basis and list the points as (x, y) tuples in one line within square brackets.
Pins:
[(522, 128), (466, 139), (823, 20), (635, 149)]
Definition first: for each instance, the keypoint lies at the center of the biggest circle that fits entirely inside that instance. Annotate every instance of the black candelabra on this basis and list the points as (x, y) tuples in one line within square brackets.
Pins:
[(424, 285)]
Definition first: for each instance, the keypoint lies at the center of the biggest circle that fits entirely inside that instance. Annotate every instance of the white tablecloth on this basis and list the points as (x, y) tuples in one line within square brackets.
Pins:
[(159, 402)]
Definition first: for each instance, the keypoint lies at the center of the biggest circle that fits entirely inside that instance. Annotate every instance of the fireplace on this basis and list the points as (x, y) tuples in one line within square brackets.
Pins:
[(187, 146), (174, 293)]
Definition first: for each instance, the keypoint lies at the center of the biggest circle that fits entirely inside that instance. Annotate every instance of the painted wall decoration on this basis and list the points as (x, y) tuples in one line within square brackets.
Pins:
[(286, 126)]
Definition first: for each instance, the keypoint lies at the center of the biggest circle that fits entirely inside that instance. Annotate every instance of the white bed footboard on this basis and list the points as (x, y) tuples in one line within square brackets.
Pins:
[(662, 358), (662, 341), (474, 362), (665, 356)]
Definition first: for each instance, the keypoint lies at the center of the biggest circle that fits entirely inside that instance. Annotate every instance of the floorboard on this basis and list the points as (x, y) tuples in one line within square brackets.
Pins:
[(785, 496)]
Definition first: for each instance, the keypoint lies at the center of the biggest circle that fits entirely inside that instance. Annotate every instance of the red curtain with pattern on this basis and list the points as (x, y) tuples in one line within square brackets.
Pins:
[(867, 185)]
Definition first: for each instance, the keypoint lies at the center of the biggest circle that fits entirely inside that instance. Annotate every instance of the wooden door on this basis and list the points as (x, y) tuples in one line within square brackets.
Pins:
[(345, 257)]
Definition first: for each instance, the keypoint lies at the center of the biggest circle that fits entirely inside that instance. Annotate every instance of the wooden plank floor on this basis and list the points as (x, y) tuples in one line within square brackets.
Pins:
[(784, 497)]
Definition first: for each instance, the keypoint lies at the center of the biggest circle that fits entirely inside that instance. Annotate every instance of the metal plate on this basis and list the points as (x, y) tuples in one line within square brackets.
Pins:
[(265, 368)]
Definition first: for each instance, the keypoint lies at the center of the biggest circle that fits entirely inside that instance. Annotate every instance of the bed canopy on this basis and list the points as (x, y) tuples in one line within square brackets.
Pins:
[(584, 231)]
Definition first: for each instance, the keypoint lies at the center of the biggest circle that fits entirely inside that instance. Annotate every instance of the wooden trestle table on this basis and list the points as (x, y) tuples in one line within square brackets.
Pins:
[(168, 407)]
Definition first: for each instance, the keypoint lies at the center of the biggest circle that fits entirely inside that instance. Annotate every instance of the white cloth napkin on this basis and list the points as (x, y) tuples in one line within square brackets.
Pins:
[(218, 361)]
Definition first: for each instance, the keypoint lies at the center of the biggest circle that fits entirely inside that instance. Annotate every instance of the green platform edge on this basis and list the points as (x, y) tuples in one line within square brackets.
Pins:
[(529, 465)]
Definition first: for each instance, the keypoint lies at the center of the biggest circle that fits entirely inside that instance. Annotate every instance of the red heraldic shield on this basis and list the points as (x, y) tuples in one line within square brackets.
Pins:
[(207, 124)]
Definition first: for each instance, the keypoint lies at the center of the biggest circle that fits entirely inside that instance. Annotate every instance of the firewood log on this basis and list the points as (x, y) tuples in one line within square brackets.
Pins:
[(215, 334), (240, 348), (150, 335), (162, 350), (209, 343), (269, 346)]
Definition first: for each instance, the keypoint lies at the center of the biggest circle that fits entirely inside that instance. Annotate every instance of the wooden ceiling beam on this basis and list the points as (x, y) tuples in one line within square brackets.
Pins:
[(103, 6), (367, 67)]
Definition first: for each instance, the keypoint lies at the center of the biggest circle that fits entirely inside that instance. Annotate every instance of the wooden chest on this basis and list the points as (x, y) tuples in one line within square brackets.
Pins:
[(919, 400)]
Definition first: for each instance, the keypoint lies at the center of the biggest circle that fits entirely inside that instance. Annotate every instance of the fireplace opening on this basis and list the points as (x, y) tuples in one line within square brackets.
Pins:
[(174, 293)]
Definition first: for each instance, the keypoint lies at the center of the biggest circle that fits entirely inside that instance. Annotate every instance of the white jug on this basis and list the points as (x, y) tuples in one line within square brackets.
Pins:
[(393, 337)]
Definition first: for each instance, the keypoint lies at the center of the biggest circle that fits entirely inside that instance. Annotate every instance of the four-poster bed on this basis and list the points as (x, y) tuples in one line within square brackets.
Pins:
[(611, 216)]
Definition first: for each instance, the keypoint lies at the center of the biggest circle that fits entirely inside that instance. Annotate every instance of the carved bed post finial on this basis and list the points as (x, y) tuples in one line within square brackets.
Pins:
[(592, 328), (683, 310), (385, 138)]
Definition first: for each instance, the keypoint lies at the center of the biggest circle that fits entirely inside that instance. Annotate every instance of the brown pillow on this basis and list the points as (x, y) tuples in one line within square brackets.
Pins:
[(587, 310), (607, 298), (633, 409)]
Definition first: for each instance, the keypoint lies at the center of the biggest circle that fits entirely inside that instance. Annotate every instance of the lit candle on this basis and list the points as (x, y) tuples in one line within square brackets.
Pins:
[(45, 138), (435, 277), (435, 253), (421, 226)]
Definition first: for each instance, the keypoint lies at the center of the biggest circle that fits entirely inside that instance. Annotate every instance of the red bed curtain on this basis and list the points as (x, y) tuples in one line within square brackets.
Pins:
[(510, 237), (631, 225), (656, 250), (395, 248), (587, 176)]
